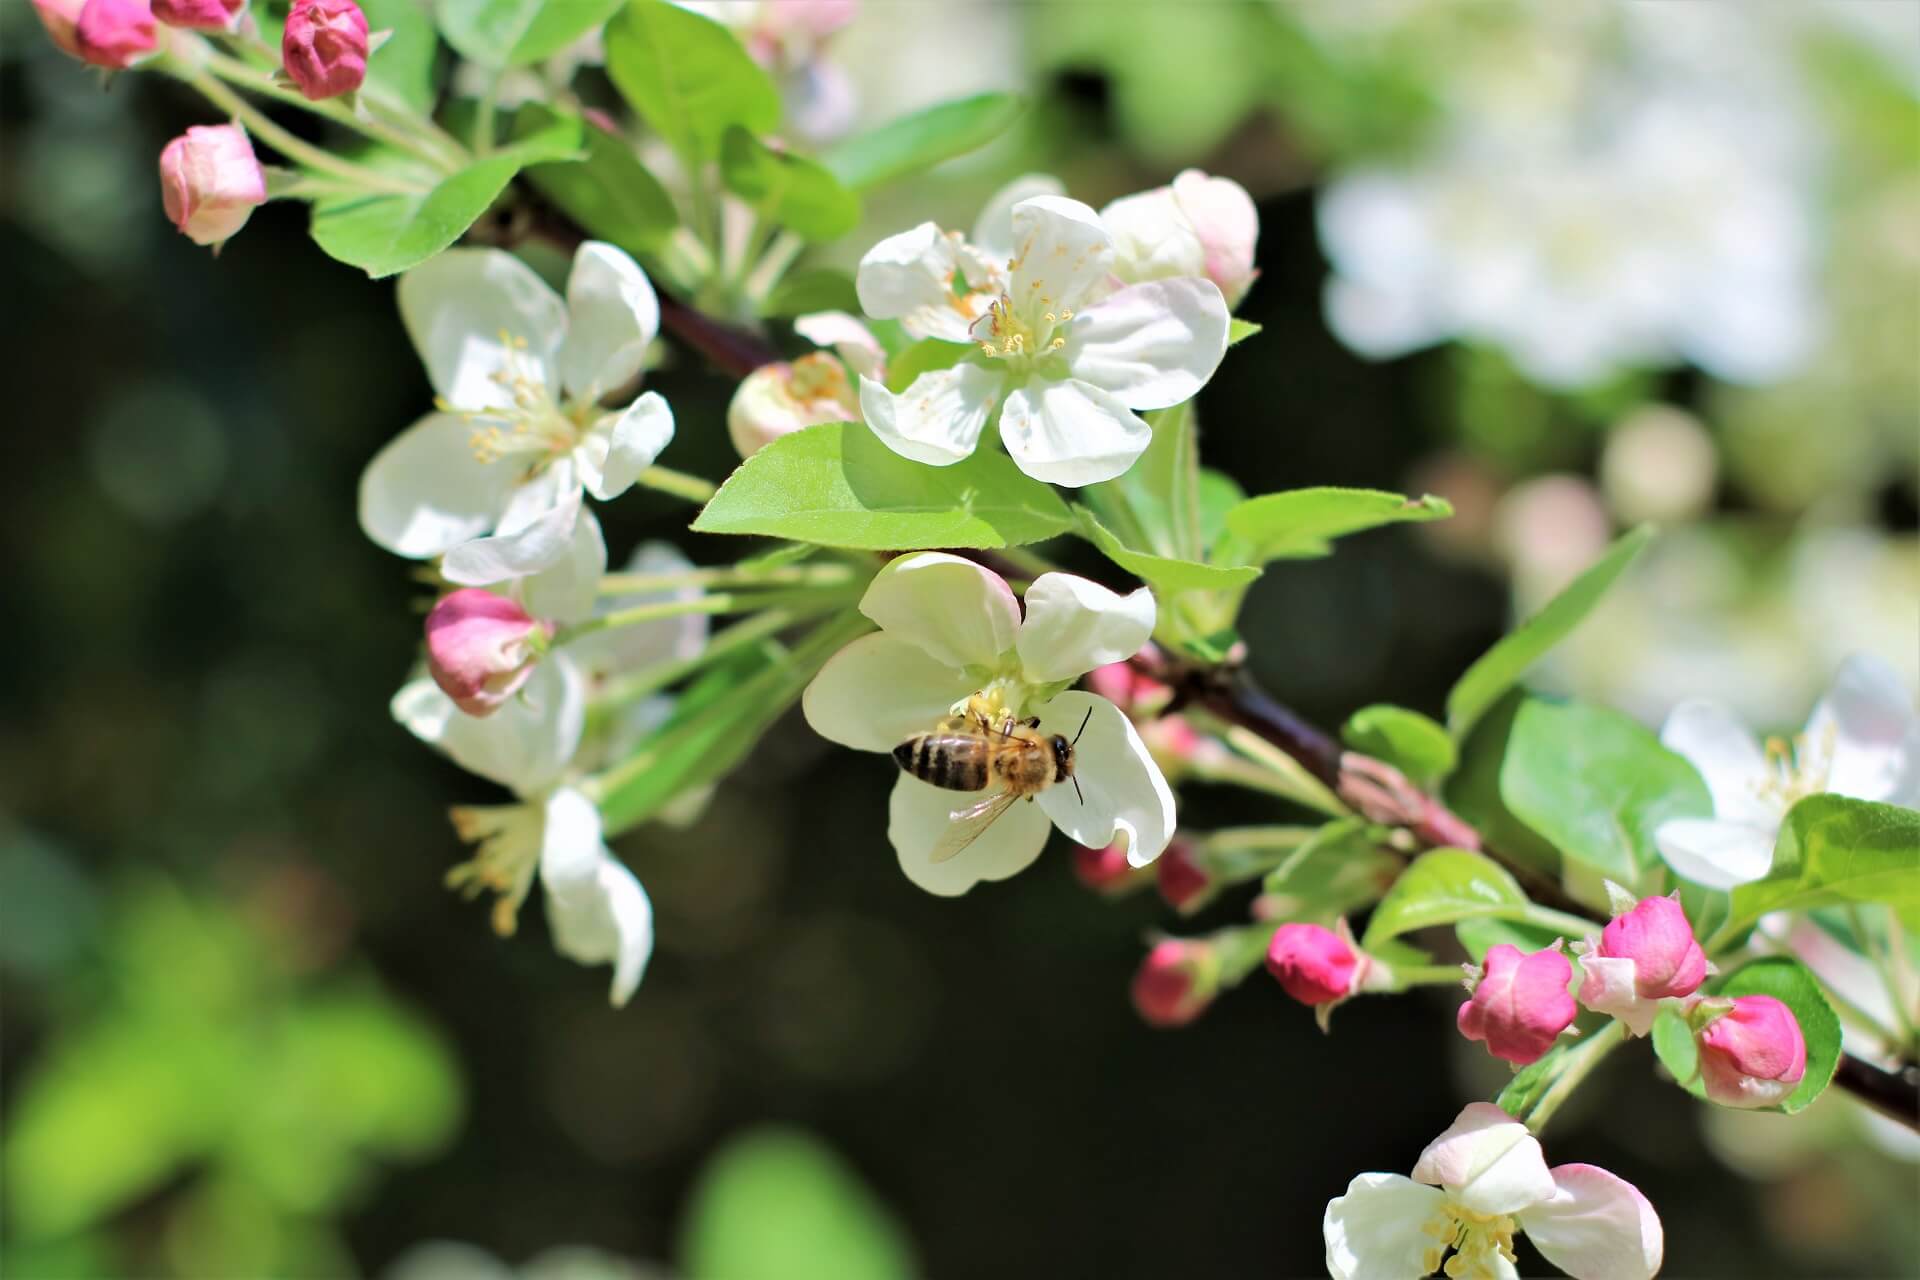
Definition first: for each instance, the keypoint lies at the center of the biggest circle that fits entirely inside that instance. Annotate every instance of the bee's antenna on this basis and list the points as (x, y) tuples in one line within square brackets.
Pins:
[(1083, 728), (1076, 784)]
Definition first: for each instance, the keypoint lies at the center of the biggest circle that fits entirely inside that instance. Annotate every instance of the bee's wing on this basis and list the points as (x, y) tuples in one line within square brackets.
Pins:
[(971, 823)]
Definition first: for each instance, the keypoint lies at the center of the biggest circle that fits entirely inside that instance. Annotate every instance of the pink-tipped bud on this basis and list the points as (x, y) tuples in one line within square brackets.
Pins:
[(1753, 1055), (1228, 226), (324, 47), (777, 399), (1175, 983), (1107, 870), (481, 648), (1184, 883), (1126, 688), (60, 18), (1315, 966), (115, 33), (200, 15), (1520, 1003), (1656, 936), (210, 182)]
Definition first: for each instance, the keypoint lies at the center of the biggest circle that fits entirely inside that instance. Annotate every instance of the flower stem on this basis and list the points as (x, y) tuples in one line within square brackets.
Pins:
[(679, 484), (288, 145), (722, 602), (816, 575), (1579, 1064), (650, 680), (1425, 975), (430, 150), (1570, 926)]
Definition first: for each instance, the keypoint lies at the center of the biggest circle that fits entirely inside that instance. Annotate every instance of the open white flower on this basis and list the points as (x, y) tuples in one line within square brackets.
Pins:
[(1195, 226), (1473, 1188), (520, 434), (952, 642), (1863, 741), (1064, 360)]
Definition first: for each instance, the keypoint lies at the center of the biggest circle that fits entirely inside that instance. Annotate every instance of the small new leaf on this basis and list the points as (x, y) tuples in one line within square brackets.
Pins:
[(790, 190), (1302, 523), (687, 77), (913, 143)]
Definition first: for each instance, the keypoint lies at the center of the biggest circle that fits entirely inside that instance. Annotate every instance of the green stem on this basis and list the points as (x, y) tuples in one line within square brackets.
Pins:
[(651, 680), (1570, 926), (1288, 777), (1425, 975), (293, 148), (1031, 563), (723, 602), (237, 72), (679, 484), (482, 140), (1878, 954), (1579, 1064), (1255, 839), (819, 575), (773, 264)]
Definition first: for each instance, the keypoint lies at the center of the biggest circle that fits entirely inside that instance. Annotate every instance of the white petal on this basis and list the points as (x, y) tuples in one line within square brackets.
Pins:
[(1374, 1231), (1379, 321), (1151, 345), (1122, 794), (918, 817), (457, 307), (1074, 625), (909, 277), (939, 418), (596, 909), (425, 491), (618, 447), (1607, 986), (1597, 1226), (878, 692), (612, 314), (1153, 239), (1228, 220), (522, 746), (1487, 1162), (514, 553), (993, 230), (1716, 854), (1071, 433), (647, 643), (565, 590), (1725, 752), (849, 337), (1060, 251), (957, 612), (1866, 729)]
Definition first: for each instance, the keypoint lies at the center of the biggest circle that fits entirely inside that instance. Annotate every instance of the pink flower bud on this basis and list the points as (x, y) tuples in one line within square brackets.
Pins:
[(1175, 983), (115, 33), (1227, 224), (780, 398), (1315, 966), (1520, 1003), (325, 47), (60, 17), (1106, 870), (1126, 688), (481, 648), (200, 15), (1656, 936), (1183, 883), (1753, 1055), (210, 182)]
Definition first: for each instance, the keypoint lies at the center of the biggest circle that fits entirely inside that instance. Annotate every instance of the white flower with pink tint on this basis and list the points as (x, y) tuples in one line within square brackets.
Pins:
[(211, 182), (1752, 1055), (1198, 226), (1478, 1185), (1863, 740), (481, 648), (780, 398), (953, 642), (1644, 958)]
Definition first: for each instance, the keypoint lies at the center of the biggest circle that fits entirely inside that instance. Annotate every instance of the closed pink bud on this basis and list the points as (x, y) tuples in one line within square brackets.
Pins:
[(1175, 983), (1183, 883), (1126, 688), (1227, 224), (1753, 1055), (1106, 870), (200, 15), (481, 648), (210, 182), (1315, 966), (1655, 935), (324, 47), (60, 18), (1520, 1003), (115, 33)]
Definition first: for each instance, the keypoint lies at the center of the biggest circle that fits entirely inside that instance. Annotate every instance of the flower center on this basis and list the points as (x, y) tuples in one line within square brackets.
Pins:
[(1476, 1241), (818, 376), (1021, 333), (508, 836), (1796, 769), (531, 424)]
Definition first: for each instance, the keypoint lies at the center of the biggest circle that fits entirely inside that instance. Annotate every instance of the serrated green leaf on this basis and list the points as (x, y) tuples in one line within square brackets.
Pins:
[(1407, 740), (919, 141), (1597, 785), (1239, 330), (804, 292), (1444, 886), (1301, 524), (384, 234), (1165, 575), (1789, 982), (788, 189), (1501, 667), (1832, 850), (837, 485), (924, 356), (608, 191), (504, 33), (1473, 792), (1533, 1080), (1673, 1045), (687, 77)]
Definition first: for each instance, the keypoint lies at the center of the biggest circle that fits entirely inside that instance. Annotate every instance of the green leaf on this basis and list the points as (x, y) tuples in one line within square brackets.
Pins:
[(403, 66), (1833, 850), (919, 141), (1338, 869), (924, 356), (1165, 575), (1533, 1080), (837, 485), (1407, 740), (1673, 1045), (820, 289), (609, 192), (687, 77), (1597, 785), (791, 190), (776, 1204), (1500, 667), (1789, 982), (1473, 791), (1301, 524), (1441, 887), (1478, 934), (385, 234), (1239, 330), (503, 33)]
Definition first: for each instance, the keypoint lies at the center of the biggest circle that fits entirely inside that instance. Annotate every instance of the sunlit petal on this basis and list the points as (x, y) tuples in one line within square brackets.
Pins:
[(1487, 1162), (469, 311), (1151, 345), (958, 612), (1122, 795), (1074, 625), (425, 491), (1596, 1226), (938, 419), (1374, 1231), (612, 314), (1071, 433), (918, 818), (879, 691)]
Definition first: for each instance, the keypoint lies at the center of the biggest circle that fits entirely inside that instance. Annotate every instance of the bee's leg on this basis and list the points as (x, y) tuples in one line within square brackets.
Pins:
[(1031, 722)]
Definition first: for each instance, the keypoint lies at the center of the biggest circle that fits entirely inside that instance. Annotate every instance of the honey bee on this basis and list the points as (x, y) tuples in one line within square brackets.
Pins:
[(1013, 759)]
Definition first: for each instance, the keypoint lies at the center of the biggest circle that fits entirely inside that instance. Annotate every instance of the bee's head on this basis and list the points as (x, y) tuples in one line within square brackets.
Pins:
[(1062, 757)]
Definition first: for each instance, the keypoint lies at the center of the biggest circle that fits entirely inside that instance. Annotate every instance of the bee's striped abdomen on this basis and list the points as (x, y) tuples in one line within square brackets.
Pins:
[(957, 762)]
